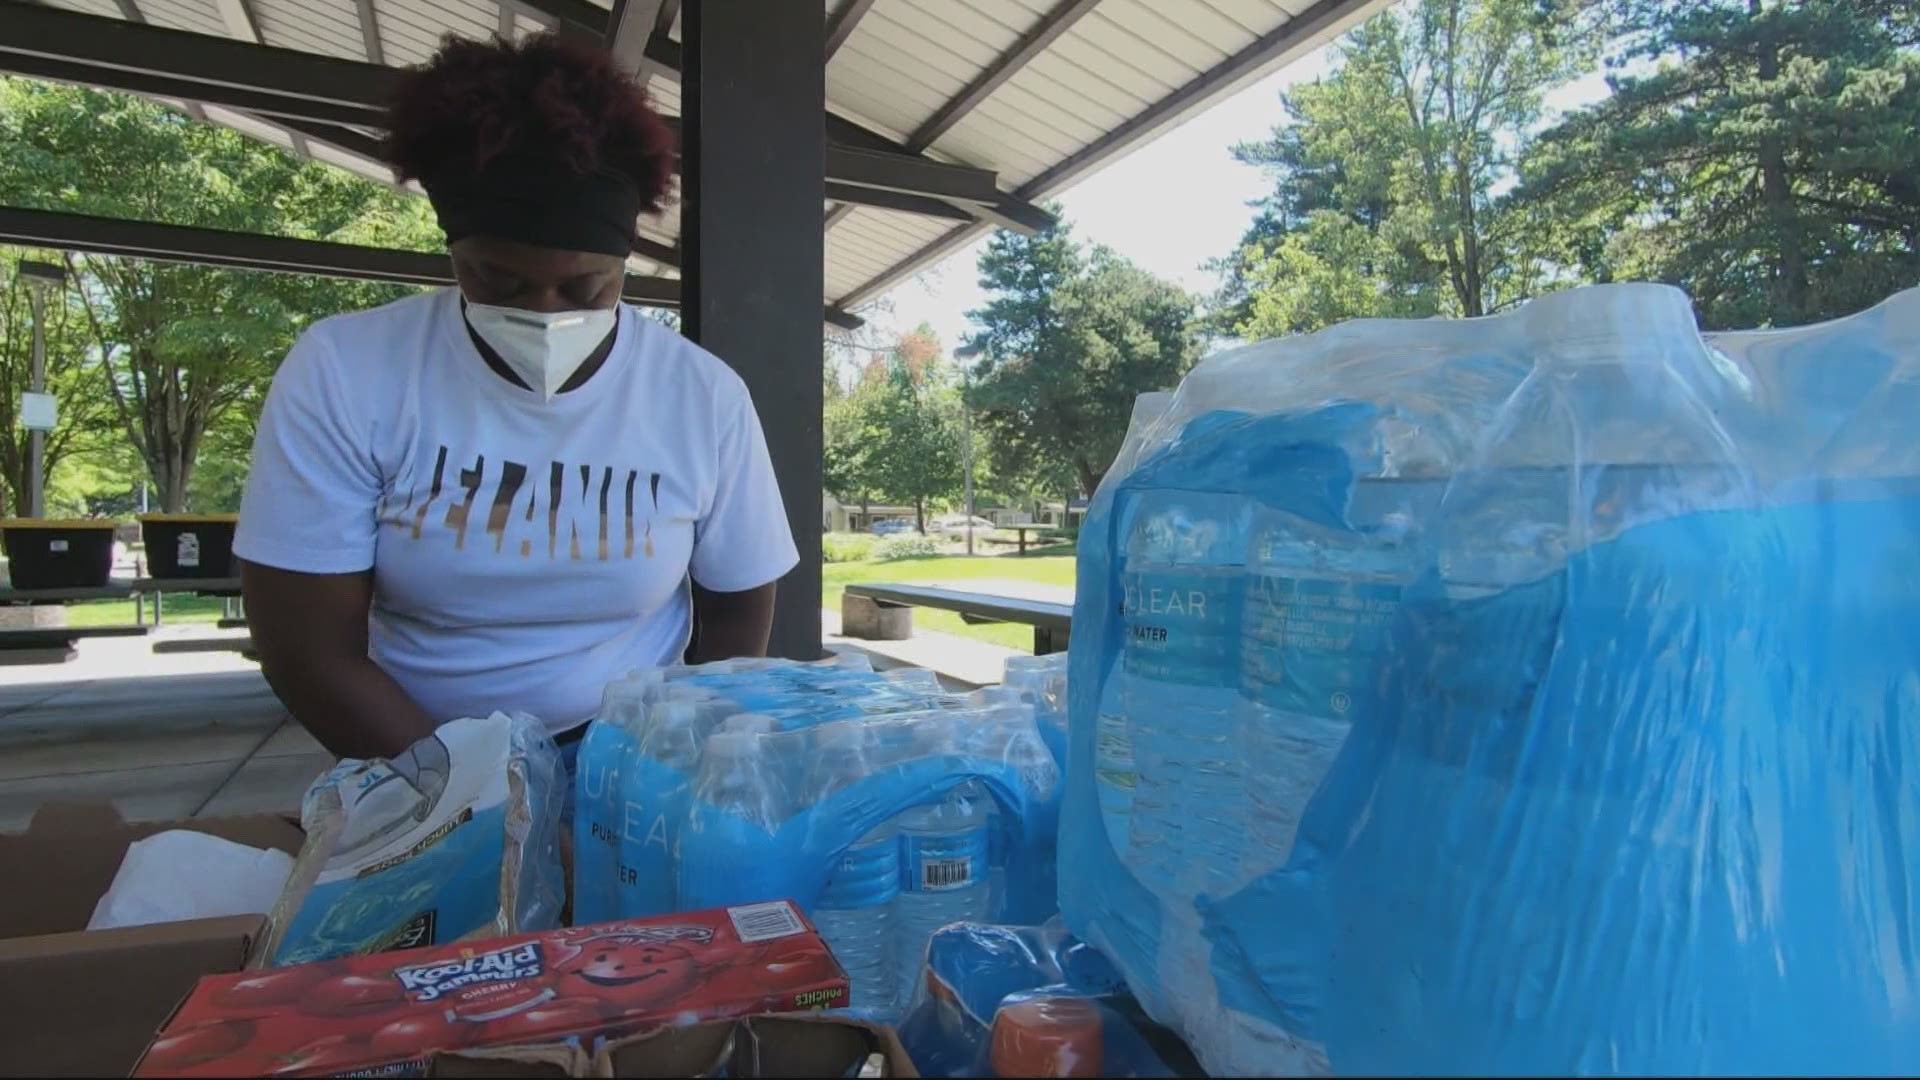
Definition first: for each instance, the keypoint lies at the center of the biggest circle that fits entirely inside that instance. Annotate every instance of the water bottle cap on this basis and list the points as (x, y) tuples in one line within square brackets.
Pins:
[(841, 735), (732, 744), (750, 723), (675, 714)]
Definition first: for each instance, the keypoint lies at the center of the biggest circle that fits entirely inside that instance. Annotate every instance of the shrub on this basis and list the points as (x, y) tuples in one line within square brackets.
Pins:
[(847, 547), (905, 546)]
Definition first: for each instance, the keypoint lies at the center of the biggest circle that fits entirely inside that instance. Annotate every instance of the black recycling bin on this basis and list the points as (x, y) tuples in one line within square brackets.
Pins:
[(46, 553), (189, 545)]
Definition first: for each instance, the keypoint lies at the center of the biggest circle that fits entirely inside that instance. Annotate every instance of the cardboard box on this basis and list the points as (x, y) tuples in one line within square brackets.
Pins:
[(85, 1003), (392, 1012), (795, 1044)]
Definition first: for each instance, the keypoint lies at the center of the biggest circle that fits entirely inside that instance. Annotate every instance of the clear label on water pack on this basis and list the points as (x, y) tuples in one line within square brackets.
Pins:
[(942, 863), (1310, 643), (1180, 623)]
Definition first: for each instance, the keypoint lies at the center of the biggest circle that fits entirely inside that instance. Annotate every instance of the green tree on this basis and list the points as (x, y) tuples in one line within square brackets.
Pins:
[(909, 425), (1390, 173), (1068, 340), (846, 465), (1757, 153), (181, 346), (72, 376)]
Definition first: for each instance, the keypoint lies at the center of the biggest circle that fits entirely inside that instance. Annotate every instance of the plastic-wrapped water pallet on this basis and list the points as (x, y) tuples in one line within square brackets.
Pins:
[(1530, 694)]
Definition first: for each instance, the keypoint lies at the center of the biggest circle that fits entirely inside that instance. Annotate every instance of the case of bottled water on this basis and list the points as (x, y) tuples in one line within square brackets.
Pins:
[(884, 805), (1528, 694)]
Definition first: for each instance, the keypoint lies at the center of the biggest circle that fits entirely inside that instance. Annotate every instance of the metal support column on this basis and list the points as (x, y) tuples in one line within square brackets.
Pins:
[(753, 153), (37, 439)]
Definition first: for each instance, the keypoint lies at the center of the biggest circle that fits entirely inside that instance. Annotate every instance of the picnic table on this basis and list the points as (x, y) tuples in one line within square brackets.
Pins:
[(54, 644), (1052, 621)]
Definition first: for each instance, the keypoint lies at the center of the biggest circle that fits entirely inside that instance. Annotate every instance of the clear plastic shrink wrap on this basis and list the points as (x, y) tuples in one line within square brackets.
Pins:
[(1530, 694), (883, 805)]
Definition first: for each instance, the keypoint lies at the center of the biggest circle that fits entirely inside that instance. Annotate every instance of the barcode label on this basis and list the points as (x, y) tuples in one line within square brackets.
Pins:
[(764, 922), (938, 874)]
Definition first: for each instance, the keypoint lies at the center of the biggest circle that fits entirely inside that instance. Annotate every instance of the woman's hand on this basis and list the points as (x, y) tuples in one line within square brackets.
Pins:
[(310, 631)]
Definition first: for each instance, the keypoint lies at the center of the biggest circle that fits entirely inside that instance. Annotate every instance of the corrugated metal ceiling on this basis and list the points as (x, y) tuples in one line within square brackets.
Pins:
[(1093, 79)]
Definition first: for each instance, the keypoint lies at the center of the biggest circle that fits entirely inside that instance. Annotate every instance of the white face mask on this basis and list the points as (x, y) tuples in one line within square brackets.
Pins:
[(544, 349)]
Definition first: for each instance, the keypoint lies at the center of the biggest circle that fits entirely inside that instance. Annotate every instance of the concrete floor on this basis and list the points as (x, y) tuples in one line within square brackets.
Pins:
[(164, 737), (154, 736)]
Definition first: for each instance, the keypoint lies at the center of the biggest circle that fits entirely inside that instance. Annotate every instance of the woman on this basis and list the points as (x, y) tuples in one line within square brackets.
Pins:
[(502, 497)]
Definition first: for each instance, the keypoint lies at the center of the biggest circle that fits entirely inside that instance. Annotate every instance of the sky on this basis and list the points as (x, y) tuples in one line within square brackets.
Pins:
[(1174, 239), (1112, 207)]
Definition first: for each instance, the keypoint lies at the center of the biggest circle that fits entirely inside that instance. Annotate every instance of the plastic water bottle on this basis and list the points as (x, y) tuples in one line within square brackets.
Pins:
[(734, 777), (655, 783), (856, 908), (1183, 586), (943, 865), (1318, 608)]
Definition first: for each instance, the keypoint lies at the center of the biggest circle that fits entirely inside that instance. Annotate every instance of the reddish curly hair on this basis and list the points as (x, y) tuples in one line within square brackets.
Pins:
[(475, 101)]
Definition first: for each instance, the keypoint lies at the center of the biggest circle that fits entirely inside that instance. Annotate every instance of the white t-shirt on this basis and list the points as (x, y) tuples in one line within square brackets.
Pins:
[(524, 553)]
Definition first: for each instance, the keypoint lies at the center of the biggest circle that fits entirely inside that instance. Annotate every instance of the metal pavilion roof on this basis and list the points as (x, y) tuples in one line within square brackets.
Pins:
[(1027, 95)]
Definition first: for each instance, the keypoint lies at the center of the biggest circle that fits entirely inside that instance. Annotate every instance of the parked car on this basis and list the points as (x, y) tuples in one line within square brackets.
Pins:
[(891, 528), (956, 525)]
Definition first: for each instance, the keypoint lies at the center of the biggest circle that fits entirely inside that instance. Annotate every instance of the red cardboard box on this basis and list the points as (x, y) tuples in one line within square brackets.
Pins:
[(393, 1011)]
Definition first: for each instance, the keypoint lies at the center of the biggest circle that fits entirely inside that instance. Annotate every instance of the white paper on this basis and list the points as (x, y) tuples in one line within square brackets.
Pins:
[(39, 412), (181, 874)]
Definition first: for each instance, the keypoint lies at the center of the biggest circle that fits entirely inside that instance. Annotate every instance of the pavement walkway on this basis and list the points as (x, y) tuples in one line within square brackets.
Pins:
[(180, 735)]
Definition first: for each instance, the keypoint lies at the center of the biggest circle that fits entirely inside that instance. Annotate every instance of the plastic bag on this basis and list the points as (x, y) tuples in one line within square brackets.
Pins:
[(181, 874), (456, 838), (1529, 694), (1023, 1001)]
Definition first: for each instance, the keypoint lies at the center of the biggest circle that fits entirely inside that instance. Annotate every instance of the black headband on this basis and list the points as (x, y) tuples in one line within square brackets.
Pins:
[(539, 201)]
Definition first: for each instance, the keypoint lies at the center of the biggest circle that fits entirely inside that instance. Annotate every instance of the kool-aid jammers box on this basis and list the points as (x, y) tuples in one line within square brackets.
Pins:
[(389, 1013)]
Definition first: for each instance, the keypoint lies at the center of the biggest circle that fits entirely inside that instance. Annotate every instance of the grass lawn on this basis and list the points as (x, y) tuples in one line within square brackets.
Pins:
[(1040, 569), (180, 608)]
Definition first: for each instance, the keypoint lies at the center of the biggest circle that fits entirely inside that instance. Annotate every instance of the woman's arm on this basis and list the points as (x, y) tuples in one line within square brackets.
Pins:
[(730, 624), (310, 631)]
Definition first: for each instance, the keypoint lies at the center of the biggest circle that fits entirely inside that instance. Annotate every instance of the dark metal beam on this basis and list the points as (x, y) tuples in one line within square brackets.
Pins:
[(754, 164), (251, 251), (242, 24), (287, 84), (130, 11), (898, 200), (845, 320), (1320, 22), (838, 214), (122, 55), (845, 18), (888, 170), (1031, 44)]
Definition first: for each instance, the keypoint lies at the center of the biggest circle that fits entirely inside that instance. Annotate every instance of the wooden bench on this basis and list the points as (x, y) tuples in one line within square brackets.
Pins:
[(1052, 623), (53, 644)]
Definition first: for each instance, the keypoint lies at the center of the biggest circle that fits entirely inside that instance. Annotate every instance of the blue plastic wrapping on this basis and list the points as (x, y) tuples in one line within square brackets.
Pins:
[(703, 787), (1530, 694), (458, 837), (976, 971)]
